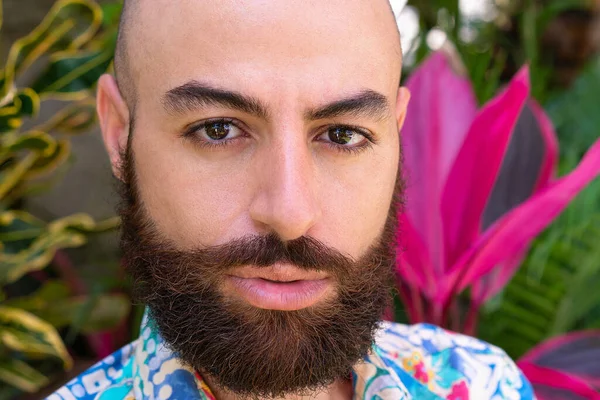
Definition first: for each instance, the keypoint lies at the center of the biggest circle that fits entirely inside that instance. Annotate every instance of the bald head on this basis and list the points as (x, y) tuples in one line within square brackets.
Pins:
[(131, 34), (121, 62)]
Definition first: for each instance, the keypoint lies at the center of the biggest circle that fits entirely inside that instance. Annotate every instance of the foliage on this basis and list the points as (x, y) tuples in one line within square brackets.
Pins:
[(75, 55), (565, 366), (481, 188), (488, 50), (555, 291)]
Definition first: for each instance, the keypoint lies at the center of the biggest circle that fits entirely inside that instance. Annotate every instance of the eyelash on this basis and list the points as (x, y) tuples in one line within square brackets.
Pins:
[(368, 144), (190, 134)]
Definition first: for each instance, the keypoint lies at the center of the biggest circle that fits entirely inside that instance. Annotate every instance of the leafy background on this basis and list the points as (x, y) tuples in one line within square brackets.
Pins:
[(555, 290)]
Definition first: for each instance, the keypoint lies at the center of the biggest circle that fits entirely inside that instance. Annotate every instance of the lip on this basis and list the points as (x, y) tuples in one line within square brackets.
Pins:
[(278, 273), (280, 295), (280, 286)]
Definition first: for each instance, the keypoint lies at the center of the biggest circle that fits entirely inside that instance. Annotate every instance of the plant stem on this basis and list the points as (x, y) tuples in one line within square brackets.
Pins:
[(470, 327), (418, 304), (409, 303), (454, 322)]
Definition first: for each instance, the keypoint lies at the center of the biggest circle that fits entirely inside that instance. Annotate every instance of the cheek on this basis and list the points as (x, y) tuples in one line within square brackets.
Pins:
[(357, 201), (193, 203)]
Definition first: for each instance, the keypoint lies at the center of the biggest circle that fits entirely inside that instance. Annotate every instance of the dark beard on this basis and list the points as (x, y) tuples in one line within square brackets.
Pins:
[(252, 352)]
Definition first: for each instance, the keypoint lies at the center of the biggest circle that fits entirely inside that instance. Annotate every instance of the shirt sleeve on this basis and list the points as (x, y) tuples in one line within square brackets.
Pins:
[(513, 384), (451, 365)]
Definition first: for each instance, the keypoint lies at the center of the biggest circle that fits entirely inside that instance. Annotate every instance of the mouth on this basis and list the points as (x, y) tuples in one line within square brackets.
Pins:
[(280, 287)]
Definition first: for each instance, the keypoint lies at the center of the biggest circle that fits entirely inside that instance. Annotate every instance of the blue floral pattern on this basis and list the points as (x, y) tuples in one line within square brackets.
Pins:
[(406, 362)]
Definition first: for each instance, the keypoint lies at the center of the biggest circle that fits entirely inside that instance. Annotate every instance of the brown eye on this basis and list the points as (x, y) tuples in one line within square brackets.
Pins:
[(344, 136), (217, 130), (341, 135)]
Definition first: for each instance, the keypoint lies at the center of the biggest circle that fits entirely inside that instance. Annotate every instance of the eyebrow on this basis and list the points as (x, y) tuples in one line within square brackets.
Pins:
[(193, 95), (367, 103)]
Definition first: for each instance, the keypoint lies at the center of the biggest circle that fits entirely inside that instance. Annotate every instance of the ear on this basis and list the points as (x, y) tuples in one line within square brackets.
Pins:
[(114, 119), (402, 106)]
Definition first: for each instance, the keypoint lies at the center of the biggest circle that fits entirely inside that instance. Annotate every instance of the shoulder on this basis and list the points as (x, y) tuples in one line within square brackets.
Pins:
[(111, 378), (449, 364)]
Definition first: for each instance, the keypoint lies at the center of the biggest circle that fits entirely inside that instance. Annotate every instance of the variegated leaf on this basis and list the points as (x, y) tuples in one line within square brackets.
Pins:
[(48, 163), (36, 249), (71, 75), (12, 175), (53, 303), (68, 25), (25, 333), (75, 118), (21, 375), (38, 255), (25, 104)]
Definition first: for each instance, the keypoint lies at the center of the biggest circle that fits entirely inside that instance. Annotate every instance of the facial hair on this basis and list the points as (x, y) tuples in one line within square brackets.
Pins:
[(253, 352)]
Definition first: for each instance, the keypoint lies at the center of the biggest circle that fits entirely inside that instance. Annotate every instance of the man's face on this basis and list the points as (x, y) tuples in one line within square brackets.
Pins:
[(270, 125)]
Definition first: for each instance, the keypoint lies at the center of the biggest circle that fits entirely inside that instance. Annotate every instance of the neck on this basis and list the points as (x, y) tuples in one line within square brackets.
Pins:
[(340, 390)]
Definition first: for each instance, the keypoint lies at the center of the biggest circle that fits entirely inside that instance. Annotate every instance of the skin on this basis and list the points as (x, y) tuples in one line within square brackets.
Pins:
[(281, 175)]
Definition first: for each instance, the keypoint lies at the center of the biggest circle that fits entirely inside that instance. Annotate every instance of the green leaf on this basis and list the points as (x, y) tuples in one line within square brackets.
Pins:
[(48, 163), (72, 75), (33, 140), (53, 303), (49, 294), (25, 104), (19, 374), (575, 113), (111, 13), (75, 118), (63, 233), (44, 155), (95, 314), (38, 255), (68, 25), (18, 226), (555, 290), (11, 176), (25, 333), (26, 343)]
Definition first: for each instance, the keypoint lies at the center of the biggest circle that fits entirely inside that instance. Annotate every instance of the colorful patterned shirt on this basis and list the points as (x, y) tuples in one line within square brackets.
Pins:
[(406, 362)]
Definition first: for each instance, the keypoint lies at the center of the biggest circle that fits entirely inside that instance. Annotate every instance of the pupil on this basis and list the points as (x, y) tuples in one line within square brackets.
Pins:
[(341, 135), (217, 130)]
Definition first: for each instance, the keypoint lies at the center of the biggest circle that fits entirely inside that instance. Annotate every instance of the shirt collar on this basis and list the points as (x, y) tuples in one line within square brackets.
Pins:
[(158, 371)]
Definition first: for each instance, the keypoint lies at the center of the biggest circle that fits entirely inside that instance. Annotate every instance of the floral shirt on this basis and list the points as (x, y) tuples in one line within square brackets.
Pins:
[(406, 362)]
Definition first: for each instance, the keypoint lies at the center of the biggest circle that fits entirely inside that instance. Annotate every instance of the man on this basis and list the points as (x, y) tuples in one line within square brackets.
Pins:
[(257, 146)]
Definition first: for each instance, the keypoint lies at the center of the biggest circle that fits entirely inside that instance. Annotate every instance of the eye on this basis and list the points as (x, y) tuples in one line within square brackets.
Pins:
[(345, 136), (216, 131)]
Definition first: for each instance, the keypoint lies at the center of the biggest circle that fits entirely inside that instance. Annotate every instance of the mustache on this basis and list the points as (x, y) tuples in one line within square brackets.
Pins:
[(264, 251), (159, 264), (257, 250)]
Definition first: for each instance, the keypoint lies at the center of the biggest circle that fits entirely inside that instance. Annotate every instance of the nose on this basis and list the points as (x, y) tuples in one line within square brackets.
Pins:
[(286, 202)]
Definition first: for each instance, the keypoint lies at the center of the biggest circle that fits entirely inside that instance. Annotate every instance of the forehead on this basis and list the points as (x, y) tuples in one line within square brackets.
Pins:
[(309, 48)]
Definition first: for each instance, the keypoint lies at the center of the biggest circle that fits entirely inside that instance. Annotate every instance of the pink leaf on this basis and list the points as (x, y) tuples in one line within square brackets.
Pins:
[(490, 284), (413, 264), (512, 234), (575, 353), (556, 381), (441, 109), (476, 167), (551, 156), (584, 341)]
